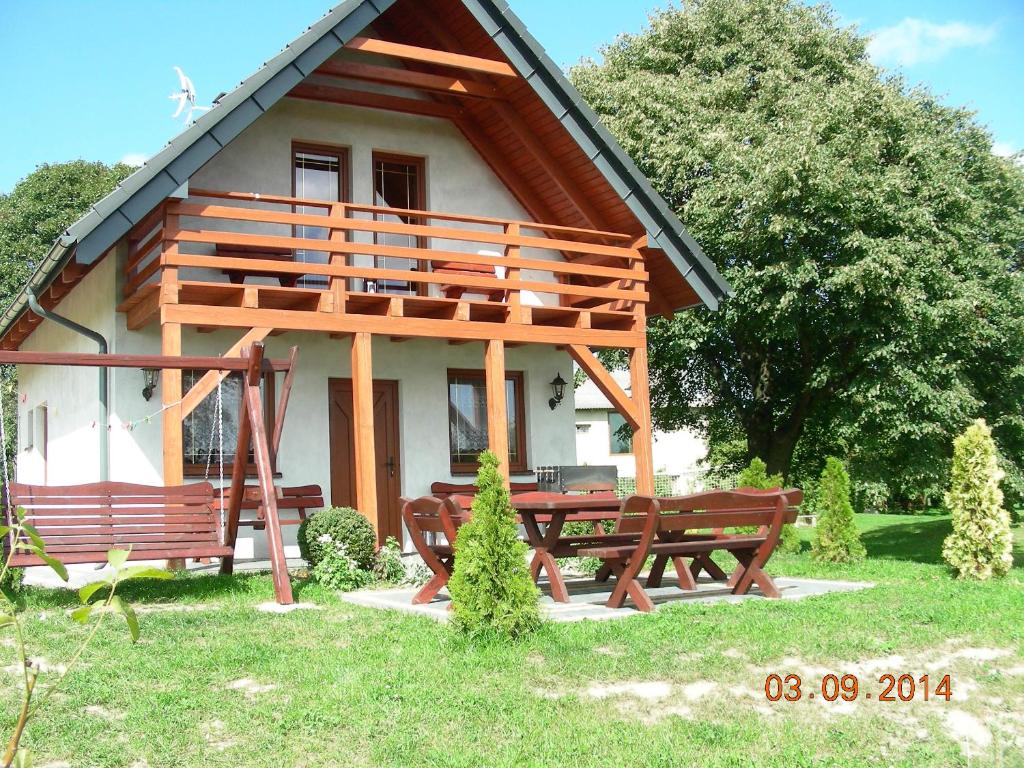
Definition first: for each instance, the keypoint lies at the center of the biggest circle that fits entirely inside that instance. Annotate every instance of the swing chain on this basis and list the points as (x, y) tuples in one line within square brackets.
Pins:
[(218, 417)]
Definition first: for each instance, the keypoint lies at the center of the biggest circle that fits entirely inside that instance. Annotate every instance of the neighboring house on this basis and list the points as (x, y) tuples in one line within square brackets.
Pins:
[(413, 194), (603, 438)]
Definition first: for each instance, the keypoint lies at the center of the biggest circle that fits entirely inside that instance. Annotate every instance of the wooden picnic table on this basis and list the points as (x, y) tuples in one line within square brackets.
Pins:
[(553, 511)]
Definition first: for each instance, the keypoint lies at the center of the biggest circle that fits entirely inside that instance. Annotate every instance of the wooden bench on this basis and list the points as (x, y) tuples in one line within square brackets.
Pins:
[(299, 498), (429, 515), (668, 529), (81, 523), (473, 270), (442, 490), (263, 253)]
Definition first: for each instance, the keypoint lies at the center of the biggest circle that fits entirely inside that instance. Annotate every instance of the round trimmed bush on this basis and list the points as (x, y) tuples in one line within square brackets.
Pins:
[(343, 525)]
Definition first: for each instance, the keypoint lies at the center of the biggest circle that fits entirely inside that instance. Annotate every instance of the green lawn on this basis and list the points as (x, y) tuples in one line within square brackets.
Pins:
[(214, 682)]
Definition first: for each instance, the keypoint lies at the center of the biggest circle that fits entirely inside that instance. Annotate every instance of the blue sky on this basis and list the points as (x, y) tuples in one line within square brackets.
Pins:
[(91, 79)]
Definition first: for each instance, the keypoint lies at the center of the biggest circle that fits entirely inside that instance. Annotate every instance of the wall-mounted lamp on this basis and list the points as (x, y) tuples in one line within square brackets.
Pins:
[(558, 390), (149, 379)]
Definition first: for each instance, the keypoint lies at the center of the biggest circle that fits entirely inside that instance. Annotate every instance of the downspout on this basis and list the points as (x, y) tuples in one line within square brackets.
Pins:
[(101, 342)]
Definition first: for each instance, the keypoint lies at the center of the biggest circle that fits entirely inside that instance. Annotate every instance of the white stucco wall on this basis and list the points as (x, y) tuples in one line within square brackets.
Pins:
[(70, 395)]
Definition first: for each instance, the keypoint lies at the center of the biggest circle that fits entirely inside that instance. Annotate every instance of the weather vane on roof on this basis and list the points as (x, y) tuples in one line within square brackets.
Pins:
[(186, 97)]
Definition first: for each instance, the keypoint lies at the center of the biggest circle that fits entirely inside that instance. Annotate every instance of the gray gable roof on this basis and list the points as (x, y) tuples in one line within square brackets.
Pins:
[(167, 171)]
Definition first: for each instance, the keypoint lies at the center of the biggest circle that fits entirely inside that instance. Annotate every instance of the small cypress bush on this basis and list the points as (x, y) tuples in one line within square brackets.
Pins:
[(755, 475), (324, 531), (980, 545), (838, 540), (491, 588)]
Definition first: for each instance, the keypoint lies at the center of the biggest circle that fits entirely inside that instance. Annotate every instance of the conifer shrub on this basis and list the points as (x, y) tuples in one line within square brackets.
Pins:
[(755, 475), (491, 589), (980, 545), (837, 540)]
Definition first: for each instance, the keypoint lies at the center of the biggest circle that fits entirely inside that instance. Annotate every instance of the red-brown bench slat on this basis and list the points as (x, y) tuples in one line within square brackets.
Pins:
[(81, 523)]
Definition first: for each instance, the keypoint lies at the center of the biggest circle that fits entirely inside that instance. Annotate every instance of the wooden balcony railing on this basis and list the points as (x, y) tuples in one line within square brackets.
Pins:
[(228, 248)]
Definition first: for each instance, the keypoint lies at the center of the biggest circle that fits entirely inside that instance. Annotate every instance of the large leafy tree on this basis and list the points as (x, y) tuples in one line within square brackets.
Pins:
[(32, 216), (40, 208), (870, 234)]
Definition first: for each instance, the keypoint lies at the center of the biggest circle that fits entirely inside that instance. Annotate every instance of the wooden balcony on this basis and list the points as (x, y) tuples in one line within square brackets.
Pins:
[(246, 260)]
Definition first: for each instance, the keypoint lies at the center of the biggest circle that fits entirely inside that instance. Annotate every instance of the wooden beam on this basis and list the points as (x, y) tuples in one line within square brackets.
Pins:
[(211, 379), (431, 56), (406, 78), (351, 97), (604, 381), (497, 407), (160, 362), (363, 430), (511, 120), (282, 404), (643, 448), (553, 167), (268, 492), (294, 320)]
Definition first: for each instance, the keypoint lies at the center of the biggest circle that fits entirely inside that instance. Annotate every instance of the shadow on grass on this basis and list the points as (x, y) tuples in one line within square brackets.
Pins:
[(917, 540), (183, 588)]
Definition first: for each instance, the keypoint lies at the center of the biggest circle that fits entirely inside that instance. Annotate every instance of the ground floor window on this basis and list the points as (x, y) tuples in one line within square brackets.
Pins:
[(199, 428), (467, 420)]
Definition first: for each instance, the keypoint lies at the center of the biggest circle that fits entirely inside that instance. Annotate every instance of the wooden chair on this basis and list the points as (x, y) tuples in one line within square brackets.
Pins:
[(668, 528), (430, 515), (80, 523)]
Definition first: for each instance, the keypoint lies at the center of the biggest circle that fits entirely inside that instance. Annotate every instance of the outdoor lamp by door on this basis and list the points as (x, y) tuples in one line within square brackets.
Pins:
[(558, 390), (149, 378)]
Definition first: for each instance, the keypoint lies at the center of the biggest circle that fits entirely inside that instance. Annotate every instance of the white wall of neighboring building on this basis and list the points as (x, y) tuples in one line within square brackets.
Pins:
[(675, 453)]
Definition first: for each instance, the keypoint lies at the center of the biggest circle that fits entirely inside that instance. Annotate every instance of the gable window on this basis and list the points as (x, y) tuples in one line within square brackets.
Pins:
[(398, 182), (620, 437), (318, 173), (467, 420), (199, 429)]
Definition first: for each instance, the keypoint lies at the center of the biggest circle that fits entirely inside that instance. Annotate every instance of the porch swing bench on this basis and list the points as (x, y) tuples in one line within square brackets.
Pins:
[(81, 523)]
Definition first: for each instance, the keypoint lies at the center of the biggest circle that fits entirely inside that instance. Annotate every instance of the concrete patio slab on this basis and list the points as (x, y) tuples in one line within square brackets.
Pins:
[(587, 598)]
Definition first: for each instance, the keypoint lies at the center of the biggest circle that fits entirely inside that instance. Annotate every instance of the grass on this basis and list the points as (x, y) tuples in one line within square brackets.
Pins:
[(358, 687)]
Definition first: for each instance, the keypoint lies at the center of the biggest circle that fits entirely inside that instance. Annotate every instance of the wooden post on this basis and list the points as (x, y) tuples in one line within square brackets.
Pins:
[(170, 394), (268, 492), (643, 450), (362, 409), (497, 407)]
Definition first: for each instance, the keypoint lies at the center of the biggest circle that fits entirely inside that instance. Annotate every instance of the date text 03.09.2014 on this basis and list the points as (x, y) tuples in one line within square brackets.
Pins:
[(848, 688)]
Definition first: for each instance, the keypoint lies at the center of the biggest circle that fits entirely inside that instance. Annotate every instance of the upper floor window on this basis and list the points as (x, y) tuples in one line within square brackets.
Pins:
[(318, 173), (398, 182)]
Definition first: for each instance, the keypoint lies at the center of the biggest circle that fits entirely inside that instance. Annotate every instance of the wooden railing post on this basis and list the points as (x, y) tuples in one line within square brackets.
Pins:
[(497, 406), (515, 304), (338, 285)]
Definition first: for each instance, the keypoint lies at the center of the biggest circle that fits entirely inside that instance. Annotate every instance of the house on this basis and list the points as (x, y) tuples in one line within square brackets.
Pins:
[(413, 195), (603, 438)]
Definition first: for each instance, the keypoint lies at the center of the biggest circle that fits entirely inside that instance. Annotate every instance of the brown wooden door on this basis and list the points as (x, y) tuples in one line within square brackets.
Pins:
[(388, 460)]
